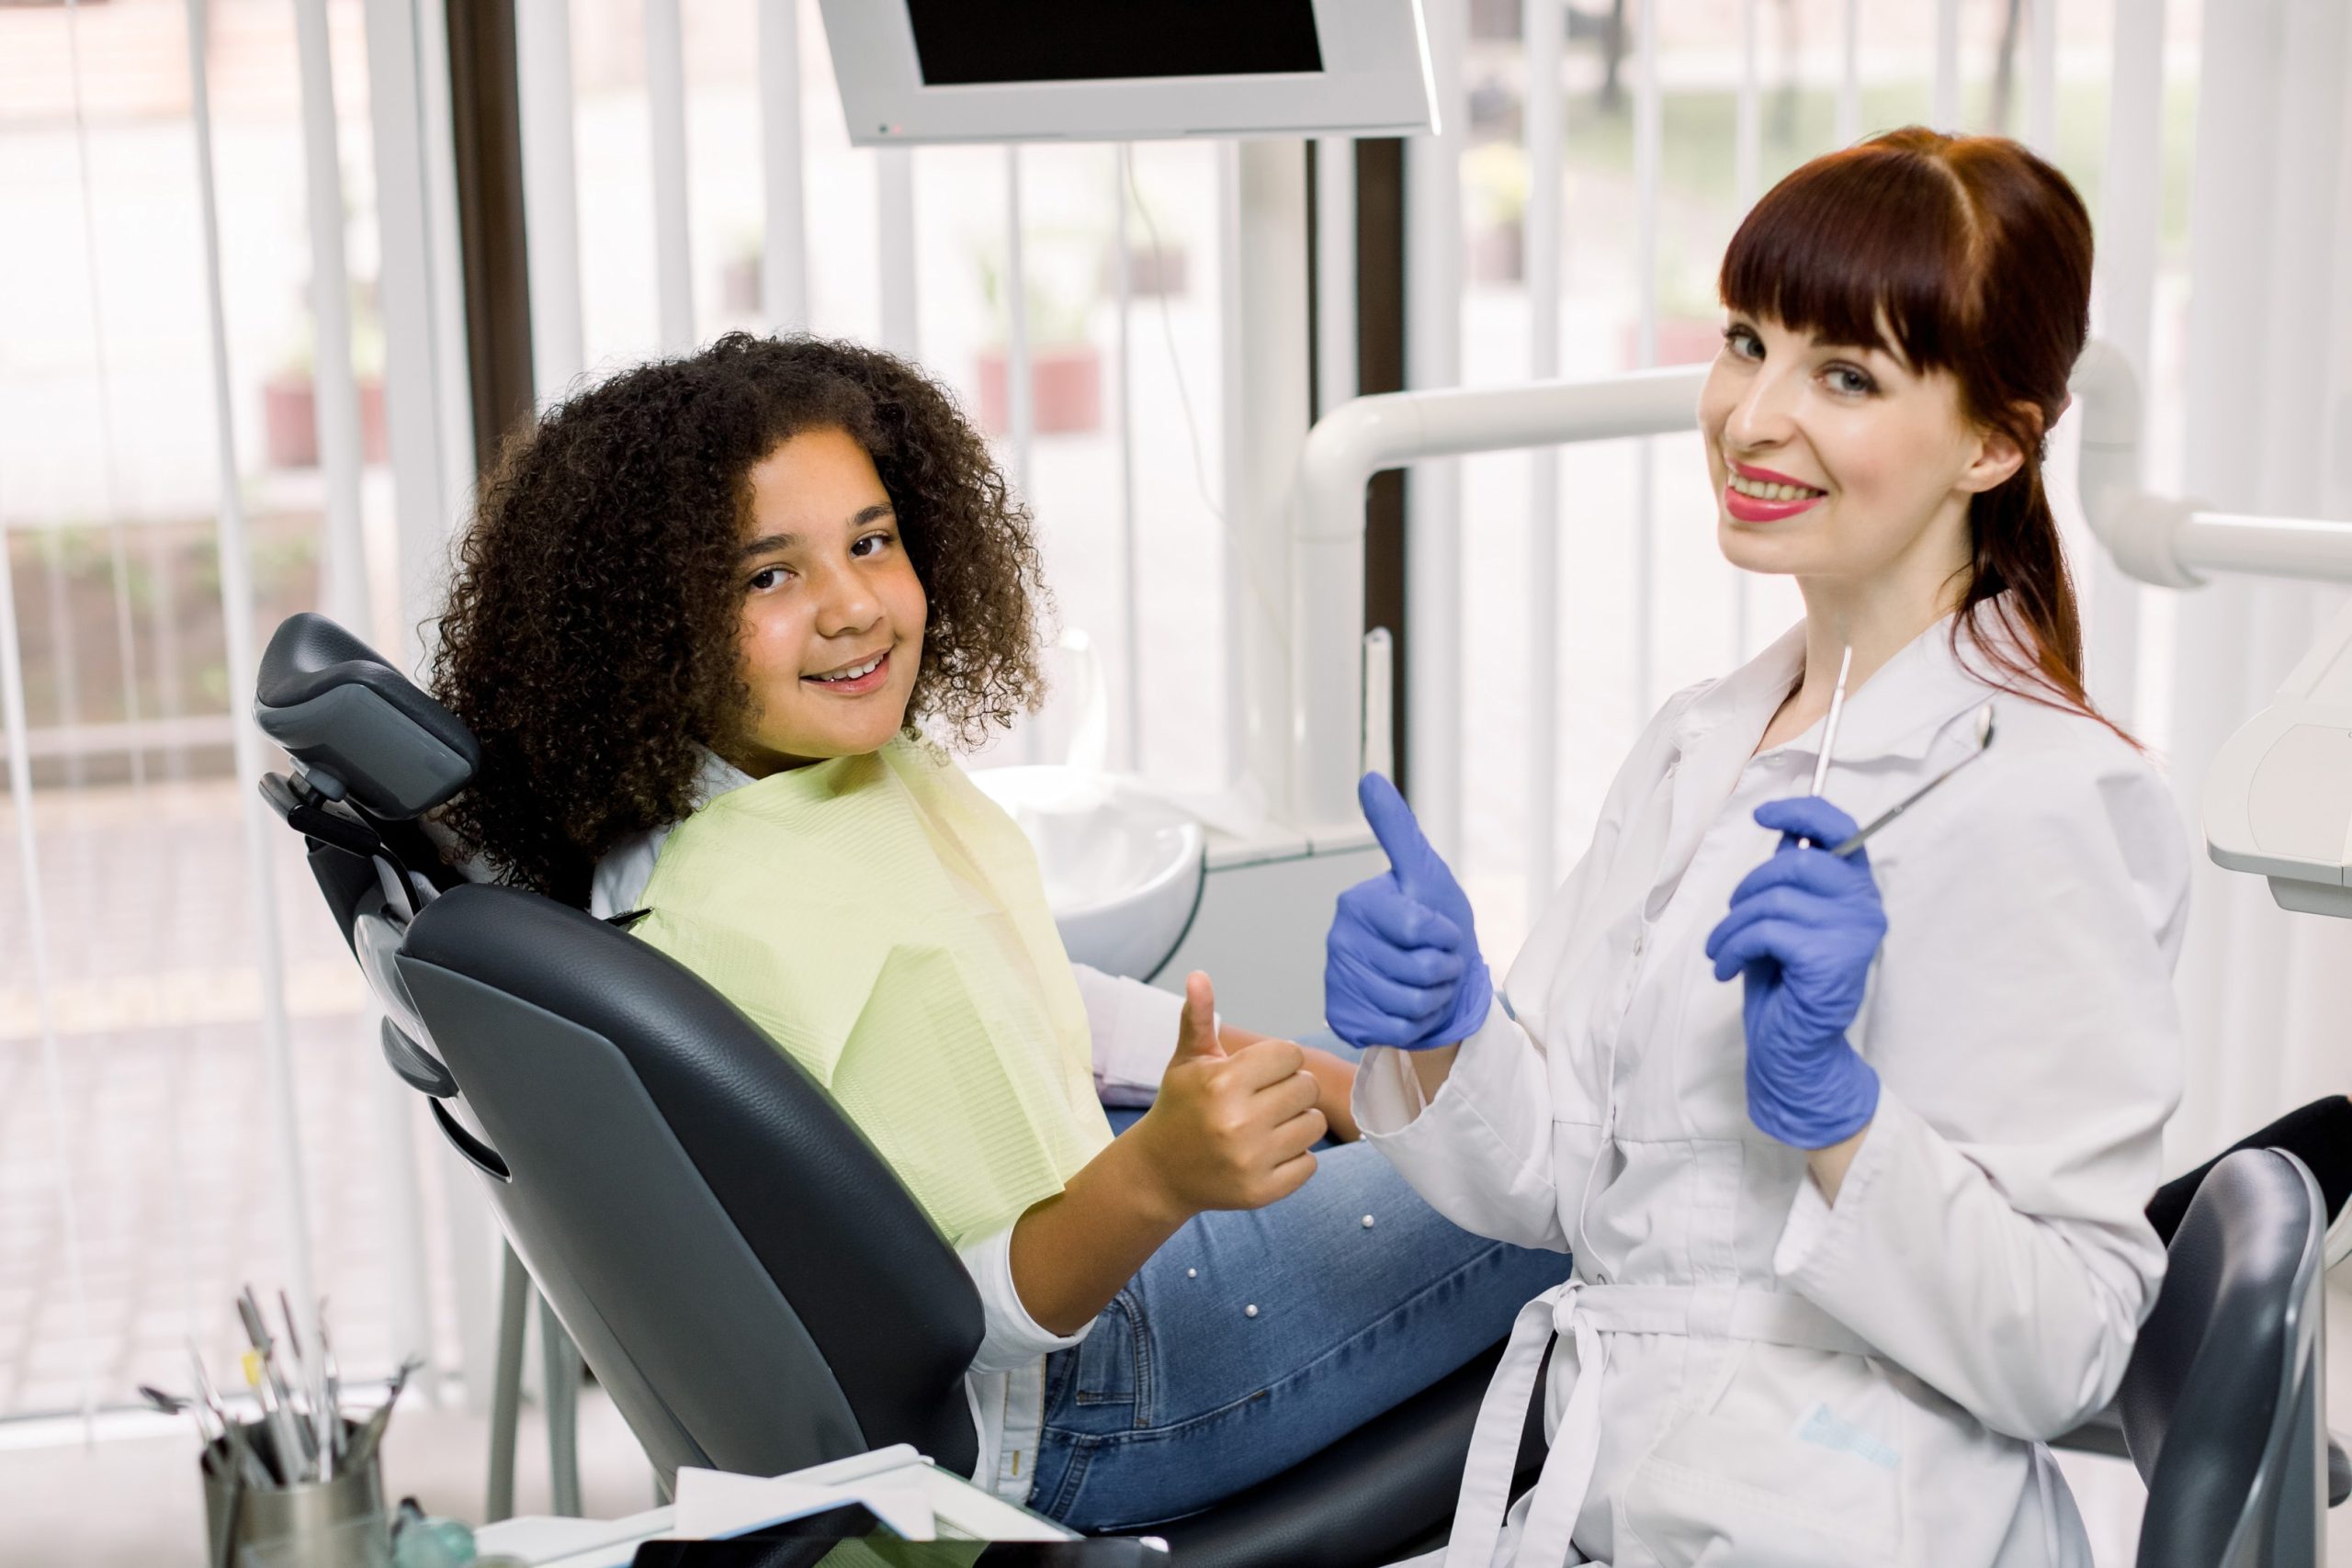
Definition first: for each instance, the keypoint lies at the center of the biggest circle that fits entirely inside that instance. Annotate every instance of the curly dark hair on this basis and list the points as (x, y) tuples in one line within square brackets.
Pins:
[(590, 636)]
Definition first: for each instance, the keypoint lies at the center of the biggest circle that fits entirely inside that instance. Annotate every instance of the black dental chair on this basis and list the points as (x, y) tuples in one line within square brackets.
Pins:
[(739, 1268), (2224, 1406)]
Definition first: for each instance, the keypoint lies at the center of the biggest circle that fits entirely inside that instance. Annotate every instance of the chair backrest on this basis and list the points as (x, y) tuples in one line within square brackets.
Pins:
[(746, 1276), (751, 1283), (2224, 1405)]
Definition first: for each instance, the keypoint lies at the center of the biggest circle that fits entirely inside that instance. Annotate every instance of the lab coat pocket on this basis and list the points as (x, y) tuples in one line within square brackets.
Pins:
[(1797, 1466)]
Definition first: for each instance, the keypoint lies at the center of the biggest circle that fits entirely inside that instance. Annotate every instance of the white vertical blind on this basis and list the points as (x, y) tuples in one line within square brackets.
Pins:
[(1648, 121), (61, 1138), (412, 382), (237, 619), (464, 1209), (1233, 365), (1747, 175), (1433, 358), (1020, 404), (2041, 78), (444, 274), (1123, 272), (894, 205), (665, 102), (783, 252), (1850, 78), (125, 639), (335, 387), (2123, 307), (550, 196), (1544, 35), (1945, 115)]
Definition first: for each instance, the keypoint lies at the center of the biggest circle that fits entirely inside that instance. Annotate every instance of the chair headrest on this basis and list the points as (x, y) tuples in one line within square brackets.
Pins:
[(357, 725)]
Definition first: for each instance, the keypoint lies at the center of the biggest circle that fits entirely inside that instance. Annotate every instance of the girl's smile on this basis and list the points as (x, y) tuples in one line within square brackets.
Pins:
[(855, 677)]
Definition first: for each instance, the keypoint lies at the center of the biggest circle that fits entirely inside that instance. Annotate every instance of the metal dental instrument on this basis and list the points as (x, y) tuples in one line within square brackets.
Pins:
[(309, 1378), (241, 1454), (1830, 725), (1829, 729), (169, 1403), (331, 1388), (287, 1431), (1984, 744)]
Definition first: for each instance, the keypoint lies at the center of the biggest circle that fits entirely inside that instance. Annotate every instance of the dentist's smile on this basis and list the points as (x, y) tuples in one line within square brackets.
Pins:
[(1759, 495)]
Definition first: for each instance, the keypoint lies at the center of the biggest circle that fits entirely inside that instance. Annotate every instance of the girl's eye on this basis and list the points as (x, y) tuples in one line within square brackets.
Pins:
[(1743, 343), (768, 576), (1849, 382), (877, 540)]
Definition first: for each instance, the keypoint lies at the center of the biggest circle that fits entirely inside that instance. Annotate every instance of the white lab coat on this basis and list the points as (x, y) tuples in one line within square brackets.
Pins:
[(1743, 1373)]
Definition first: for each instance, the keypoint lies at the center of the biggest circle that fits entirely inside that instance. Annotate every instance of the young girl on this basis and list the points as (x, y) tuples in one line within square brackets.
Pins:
[(701, 614), (1855, 1236)]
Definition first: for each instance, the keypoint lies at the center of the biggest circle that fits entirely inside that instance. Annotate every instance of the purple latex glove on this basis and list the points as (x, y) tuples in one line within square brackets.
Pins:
[(1401, 963), (1802, 930)]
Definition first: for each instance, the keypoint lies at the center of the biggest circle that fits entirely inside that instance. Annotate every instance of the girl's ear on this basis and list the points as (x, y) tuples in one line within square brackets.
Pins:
[(2000, 452)]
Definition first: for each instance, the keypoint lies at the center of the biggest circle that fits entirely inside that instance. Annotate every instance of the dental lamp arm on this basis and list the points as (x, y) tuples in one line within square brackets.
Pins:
[(2174, 542)]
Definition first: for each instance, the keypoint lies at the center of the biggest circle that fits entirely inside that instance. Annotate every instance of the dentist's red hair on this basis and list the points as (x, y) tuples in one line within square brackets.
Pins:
[(1972, 255)]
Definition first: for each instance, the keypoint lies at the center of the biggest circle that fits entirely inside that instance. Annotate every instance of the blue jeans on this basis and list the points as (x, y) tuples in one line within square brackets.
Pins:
[(1183, 1394)]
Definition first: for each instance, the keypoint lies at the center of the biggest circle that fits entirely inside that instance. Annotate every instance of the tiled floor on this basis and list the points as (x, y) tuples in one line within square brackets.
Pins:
[(163, 1098)]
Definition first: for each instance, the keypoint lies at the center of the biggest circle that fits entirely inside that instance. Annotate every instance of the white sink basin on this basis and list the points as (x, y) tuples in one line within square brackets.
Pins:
[(1122, 872)]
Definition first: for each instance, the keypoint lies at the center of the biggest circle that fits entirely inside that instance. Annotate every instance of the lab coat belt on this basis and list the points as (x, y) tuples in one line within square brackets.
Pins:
[(1772, 1317), (1586, 1313)]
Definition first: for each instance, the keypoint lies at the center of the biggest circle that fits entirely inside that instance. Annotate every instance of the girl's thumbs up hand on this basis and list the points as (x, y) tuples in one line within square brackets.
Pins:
[(1401, 962), (1229, 1130)]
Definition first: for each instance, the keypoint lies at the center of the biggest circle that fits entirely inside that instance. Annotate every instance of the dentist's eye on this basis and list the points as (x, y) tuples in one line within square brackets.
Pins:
[(1846, 381), (1743, 343)]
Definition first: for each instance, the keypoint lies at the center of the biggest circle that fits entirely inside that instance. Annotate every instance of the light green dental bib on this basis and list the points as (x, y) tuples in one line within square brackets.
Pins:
[(883, 921)]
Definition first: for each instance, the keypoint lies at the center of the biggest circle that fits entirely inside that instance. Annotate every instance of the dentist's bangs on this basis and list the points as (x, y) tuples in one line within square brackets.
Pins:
[(1875, 246)]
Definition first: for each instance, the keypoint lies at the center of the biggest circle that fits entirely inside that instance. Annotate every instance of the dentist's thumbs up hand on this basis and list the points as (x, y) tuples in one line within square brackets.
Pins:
[(1401, 963)]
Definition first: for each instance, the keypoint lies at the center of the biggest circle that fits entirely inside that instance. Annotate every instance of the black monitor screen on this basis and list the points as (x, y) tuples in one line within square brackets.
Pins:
[(973, 42)]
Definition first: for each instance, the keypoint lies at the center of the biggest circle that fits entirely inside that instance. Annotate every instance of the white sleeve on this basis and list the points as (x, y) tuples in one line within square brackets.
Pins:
[(621, 875), (1480, 1153), (1009, 1338), (1134, 1030), (1989, 1235)]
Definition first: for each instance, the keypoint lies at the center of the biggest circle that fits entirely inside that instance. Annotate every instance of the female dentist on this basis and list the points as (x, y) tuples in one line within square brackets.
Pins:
[(1856, 1235)]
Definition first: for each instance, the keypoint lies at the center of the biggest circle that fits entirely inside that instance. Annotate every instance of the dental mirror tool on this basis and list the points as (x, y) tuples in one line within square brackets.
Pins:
[(1984, 744), (1829, 729)]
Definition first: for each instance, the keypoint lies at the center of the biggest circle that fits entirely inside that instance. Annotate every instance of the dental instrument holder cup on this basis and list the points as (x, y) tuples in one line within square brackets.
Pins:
[(337, 1523)]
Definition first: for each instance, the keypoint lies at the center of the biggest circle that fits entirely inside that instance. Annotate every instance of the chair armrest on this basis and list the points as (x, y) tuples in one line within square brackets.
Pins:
[(2103, 1434)]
